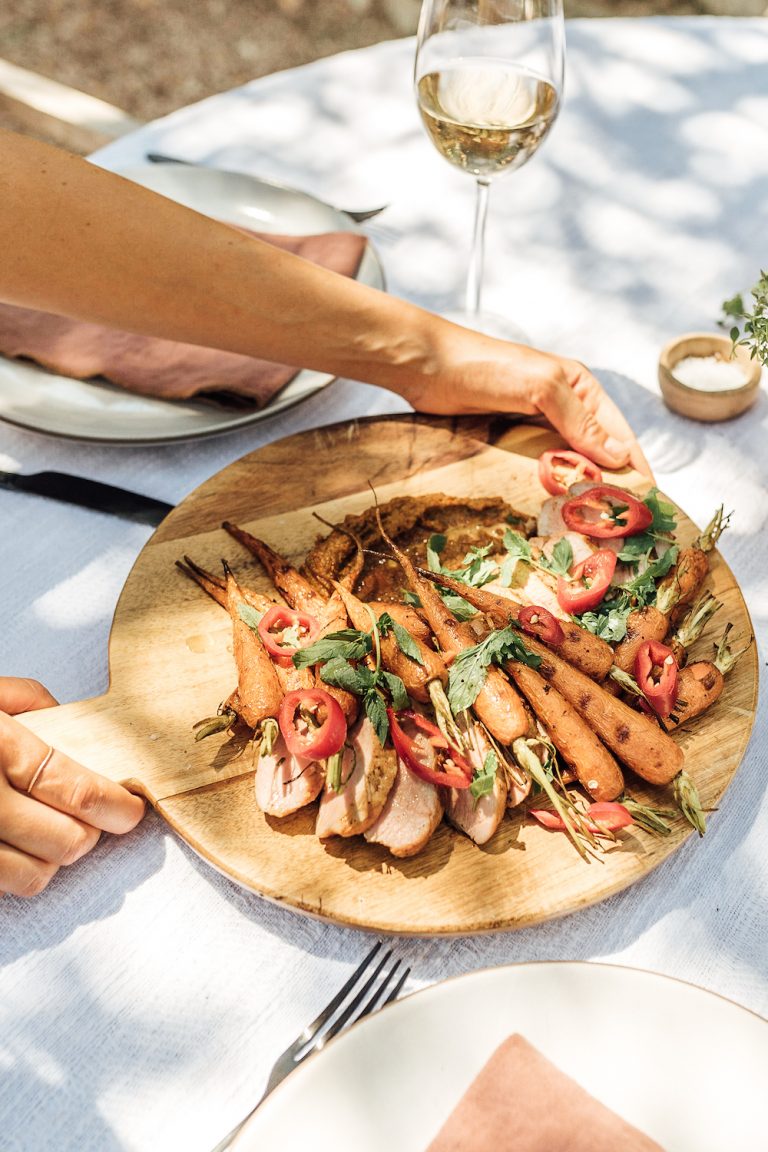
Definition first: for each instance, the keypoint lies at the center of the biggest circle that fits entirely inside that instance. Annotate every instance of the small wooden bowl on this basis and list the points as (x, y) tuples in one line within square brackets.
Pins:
[(697, 403)]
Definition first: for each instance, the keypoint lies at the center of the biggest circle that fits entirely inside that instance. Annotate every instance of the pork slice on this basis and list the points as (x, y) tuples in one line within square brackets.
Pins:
[(478, 818), (529, 586), (368, 772), (550, 519), (581, 546), (410, 815), (285, 783)]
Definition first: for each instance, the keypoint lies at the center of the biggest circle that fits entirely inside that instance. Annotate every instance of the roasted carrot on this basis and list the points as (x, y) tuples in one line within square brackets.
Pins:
[(290, 678), (642, 625), (258, 687), (634, 738), (301, 596), (594, 766), (296, 590), (585, 651), (497, 705), (415, 676), (699, 686), (683, 582), (405, 614)]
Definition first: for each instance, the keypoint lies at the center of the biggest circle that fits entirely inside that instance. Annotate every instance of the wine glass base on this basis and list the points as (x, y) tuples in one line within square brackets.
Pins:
[(489, 323)]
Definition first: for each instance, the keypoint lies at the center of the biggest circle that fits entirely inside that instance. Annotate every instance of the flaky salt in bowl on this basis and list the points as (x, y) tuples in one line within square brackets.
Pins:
[(701, 376)]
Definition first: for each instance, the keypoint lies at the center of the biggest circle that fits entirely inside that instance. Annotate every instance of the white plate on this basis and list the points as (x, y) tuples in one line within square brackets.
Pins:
[(97, 410), (683, 1065)]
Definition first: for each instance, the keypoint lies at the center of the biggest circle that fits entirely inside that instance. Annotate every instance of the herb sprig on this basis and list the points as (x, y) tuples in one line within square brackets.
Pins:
[(470, 668), (341, 655), (751, 327)]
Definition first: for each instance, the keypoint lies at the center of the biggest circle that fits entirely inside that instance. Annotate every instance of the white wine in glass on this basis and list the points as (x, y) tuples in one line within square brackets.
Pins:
[(489, 80)]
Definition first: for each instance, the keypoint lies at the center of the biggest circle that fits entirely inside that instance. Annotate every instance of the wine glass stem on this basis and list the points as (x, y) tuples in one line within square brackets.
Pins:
[(475, 277)]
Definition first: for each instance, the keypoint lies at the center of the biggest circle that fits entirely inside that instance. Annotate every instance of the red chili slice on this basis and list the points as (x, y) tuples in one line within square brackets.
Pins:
[(614, 513), (276, 621), (304, 739), (590, 581), (603, 815), (421, 753), (538, 621), (656, 673), (558, 470)]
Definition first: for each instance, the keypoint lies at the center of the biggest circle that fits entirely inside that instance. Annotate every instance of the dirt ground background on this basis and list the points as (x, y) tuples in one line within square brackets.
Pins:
[(148, 57)]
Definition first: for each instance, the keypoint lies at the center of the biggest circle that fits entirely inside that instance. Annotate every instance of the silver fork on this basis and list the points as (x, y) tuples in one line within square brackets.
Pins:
[(367, 995)]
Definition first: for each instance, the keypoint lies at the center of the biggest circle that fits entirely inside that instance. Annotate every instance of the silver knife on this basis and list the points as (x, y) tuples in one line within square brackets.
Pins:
[(356, 214), (89, 494)]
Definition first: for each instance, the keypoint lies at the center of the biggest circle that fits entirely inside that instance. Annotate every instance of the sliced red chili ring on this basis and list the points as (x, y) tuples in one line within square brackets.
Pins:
[(656, 673), (302, 739), (603, 815), (615, 513), (540, 622), (559, 469), (589, 582), (278, 620), (420, 754)]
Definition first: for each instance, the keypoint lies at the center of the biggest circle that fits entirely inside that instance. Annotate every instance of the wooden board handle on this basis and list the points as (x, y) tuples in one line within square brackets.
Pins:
[(90, 732), (153, 753)]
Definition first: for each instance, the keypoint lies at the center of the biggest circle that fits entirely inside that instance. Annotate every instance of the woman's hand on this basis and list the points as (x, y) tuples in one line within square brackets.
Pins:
[(51, 817), (476, 374)]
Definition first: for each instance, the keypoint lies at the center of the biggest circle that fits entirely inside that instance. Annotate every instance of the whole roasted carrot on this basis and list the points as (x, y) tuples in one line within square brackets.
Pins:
[(593, 765), (497, 704), (699, 686), (416, 674), (642, 625), (585, 651), (634, 738), (258, 688), (290, 678), (301, 596)]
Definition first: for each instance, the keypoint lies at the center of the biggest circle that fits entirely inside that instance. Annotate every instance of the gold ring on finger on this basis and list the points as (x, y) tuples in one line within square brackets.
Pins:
[(39, 770)]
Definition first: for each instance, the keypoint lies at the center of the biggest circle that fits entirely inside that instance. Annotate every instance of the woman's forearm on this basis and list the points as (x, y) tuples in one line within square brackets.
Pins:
[(82, 242)]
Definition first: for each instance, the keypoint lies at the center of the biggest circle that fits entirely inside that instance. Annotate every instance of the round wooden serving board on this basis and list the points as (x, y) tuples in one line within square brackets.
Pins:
[(171, 665)]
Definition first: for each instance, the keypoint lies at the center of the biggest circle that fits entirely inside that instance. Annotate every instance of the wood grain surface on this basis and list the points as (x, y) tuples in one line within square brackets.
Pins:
[(171, 665)]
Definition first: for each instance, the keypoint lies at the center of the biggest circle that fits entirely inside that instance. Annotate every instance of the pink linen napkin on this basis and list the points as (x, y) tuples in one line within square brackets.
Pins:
[(520, 1102), (165, 368)]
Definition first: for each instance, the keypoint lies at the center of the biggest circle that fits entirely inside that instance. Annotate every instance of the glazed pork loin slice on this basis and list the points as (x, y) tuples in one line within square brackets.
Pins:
[(284, 783), (411, 814), (368, 772)]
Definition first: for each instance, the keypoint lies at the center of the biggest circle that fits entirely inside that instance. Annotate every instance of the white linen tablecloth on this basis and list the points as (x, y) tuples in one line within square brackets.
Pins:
[(143, 997)]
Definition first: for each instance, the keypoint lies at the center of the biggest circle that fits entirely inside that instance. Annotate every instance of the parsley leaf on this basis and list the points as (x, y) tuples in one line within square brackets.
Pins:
[(469, 669), (341, 674), (348, 644), (376, 711), (609, 623), (517, 546), (485, 777), (561, 560), (403, 638), (664, 521), (397, 691), (250, 616)]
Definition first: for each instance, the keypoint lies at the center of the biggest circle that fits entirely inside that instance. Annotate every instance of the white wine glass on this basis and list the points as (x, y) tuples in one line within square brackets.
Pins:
[(489, 81)]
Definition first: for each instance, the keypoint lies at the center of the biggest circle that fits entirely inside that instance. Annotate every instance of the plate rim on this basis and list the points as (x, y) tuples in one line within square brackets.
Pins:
[(445, 985)]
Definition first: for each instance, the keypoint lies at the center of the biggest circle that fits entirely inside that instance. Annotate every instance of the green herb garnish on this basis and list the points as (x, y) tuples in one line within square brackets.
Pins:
[(485, 777), (470, 668), (403, 638)]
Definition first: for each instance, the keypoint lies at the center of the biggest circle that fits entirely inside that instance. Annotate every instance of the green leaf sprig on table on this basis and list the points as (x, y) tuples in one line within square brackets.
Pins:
[(750, 329)]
